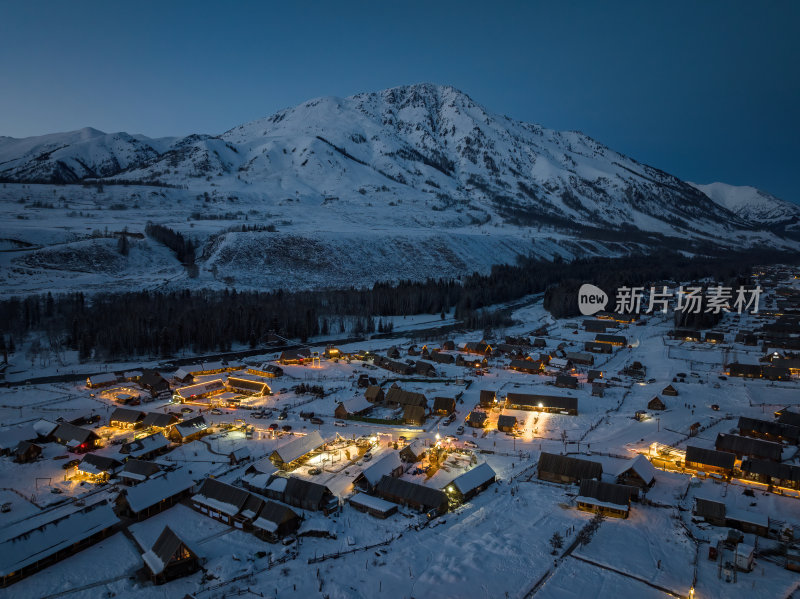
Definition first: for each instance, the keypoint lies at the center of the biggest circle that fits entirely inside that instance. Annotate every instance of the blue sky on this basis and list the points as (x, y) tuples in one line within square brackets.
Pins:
[(708, 91)]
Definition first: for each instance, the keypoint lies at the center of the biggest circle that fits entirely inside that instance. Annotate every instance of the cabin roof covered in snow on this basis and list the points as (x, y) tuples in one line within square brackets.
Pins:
[(47, 538), (474, 478), (385, 465), (152, 491), (299, 446)]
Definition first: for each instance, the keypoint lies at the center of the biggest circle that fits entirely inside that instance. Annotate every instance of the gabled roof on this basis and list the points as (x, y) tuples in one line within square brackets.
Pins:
[(221, 497), (414, 413), (299, 446), (357, 405), (97, 464), (710, 457), (506, 420), (413, 492), (248, 384), (155, 490), (126, 415), (444, 403), (416, 448), (791, 418), (771, 469), (749, 446), (604, 338), (385, 465), (373, 392), (104, 378), (159, 420), (44, 428), (406, 398), (164, 551), (191, 426), (472, 479), (642, 467), (272, 515), (139, 469), (145, 445), (606, 492), (558, 402), (201, 389), (73, 435), (769, 427), (487, 395), (568, 466), (46, 538), (299, 490), (709, 508)]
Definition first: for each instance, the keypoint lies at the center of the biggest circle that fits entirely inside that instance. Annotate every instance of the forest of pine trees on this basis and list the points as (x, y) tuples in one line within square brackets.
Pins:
[(146, 323)]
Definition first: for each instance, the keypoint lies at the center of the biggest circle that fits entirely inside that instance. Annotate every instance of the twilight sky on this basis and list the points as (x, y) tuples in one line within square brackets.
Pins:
[(708, 91)]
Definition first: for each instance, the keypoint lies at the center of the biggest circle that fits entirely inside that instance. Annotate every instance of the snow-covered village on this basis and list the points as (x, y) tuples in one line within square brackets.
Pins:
[(422, 300), (616, 449)]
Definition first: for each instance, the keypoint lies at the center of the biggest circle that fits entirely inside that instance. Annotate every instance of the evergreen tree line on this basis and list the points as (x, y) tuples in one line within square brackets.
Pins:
[(146, 323), (183, 248)]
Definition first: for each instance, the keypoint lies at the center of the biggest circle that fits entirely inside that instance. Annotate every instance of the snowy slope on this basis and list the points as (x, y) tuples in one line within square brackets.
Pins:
[(750, 203), (411, 182), (426, 145), (73, 156)]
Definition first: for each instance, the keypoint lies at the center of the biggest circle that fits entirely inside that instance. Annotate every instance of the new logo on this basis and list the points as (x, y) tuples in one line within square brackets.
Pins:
[(591, 299)]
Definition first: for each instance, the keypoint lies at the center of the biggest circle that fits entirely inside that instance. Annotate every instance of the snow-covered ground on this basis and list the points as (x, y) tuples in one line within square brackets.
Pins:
[(495, 545)]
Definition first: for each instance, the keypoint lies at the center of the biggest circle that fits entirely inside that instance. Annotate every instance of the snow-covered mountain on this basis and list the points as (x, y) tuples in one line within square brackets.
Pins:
[(425, 144), (408, 182), (76, 155), (750, 203)]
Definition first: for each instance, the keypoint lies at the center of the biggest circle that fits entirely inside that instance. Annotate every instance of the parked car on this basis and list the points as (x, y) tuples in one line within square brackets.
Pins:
[(273, 426), (216, 412), (460, 430), (286, 428), (56, 491), (70, 464), (340, 423), (283, 416), (401, 438), (316, 420), (314, 471), (367, 457), (469, 443), (186, 410)]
